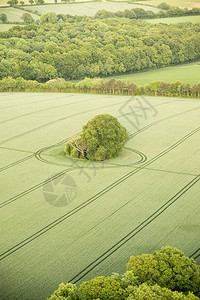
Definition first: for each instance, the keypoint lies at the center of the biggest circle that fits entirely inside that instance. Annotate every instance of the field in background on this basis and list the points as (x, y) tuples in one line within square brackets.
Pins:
[(5, 27), (133, 204), (193, 19), (180, 3), (186, 73), (88, 9), (4, 2), (14, 14)]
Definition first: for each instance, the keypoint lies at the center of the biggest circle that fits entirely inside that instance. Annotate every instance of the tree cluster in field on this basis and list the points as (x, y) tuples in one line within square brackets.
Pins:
[(103, 137), (97, 85), (80, 46), (165, 274), (140, 13)]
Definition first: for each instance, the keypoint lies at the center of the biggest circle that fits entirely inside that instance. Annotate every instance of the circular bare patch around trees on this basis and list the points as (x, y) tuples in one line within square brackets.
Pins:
[(103, 137)]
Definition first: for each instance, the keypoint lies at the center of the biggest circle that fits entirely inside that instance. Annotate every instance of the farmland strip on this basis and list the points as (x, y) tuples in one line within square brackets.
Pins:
[(54, 122), (33, 102), (90, 200), (45, 109), (134, 232), (195, 254), (16, 162)]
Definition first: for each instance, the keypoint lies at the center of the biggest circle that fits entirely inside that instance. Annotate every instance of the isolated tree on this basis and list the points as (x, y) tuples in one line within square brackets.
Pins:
[(3, 18), (31, 2), (22, 2), (104, 130), (27, 18), (102, 138)]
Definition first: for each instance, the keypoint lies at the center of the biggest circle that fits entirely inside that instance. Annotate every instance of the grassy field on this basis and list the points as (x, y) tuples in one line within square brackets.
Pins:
[(4, 2), (143, 199), (186, 73), (5, 27), (193, 19), (180, 3), (14, 14), (88, 9)]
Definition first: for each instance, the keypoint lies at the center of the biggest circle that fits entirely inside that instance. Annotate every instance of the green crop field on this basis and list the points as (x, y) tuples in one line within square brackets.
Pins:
[(88, 9), (68, 220), (193, 19), (14, 14), (186, 73)]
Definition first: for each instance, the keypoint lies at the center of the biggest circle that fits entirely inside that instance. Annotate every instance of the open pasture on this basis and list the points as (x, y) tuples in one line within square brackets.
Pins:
[(88, 9), (68, 220), (186, 73), (6, 27), (179, 3), (14, 14)]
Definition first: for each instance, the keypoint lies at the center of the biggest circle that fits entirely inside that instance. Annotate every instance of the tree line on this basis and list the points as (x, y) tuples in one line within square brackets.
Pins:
[(167, 11), (166, 274), (97, 85), (75, 47)]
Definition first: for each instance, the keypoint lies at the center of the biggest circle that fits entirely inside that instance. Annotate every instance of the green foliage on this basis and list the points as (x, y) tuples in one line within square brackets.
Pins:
[(104, 288), (158, 266), (42, 72), (66, 291), (100, 153), (3, 18), (27, 18), (164, 5), (105, 130), (167, 268), (102, 138), (155, 292), (80, 47), (50, 17), (12, 2)]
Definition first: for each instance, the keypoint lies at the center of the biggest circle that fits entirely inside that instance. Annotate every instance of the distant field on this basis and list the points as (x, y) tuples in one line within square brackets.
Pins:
[(180, 3), (4, 2), (193, 19), (145, 198), (186, 73), (14, 14), (5, 27), (88, 9)]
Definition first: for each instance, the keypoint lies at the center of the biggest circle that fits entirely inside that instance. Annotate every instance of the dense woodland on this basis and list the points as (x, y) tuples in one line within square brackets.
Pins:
[(77, 47)]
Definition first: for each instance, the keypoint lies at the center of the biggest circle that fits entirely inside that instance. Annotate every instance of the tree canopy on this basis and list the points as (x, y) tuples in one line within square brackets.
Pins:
[(166, 274), (76, 47), (168, 267), (102, 138)]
